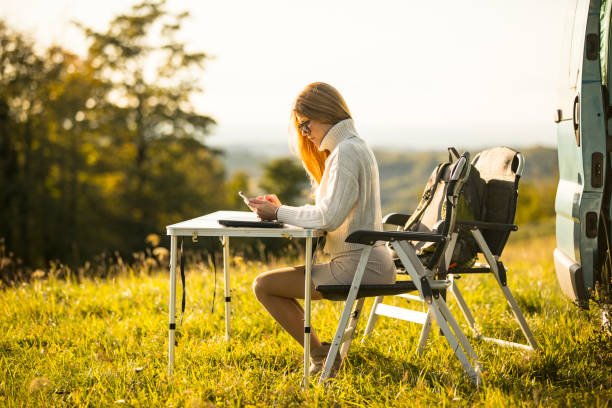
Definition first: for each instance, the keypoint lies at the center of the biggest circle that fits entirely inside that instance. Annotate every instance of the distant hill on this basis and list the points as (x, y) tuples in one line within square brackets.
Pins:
[(541, 164), (250, 159), (403, 177), (403, 174), (243, 160)]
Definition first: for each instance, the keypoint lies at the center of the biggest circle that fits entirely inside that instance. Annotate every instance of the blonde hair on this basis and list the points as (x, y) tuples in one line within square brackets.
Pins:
[(321, 102)]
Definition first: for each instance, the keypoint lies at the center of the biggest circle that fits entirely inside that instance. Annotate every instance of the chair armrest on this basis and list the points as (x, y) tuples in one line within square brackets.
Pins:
[(370, 237), (485, 225), (398, 219)]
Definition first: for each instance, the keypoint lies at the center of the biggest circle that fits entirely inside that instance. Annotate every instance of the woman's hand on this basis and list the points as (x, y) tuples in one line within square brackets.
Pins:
[(273, 199), (264, 208)]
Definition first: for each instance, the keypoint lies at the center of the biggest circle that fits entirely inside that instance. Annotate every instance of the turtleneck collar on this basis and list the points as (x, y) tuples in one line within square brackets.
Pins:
[(340, 131)]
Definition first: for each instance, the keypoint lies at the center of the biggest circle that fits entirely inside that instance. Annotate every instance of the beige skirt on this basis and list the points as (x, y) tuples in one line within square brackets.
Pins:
[(341, 269)]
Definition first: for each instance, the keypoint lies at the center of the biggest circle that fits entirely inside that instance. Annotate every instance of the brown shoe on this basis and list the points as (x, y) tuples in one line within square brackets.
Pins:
[(318, 357)]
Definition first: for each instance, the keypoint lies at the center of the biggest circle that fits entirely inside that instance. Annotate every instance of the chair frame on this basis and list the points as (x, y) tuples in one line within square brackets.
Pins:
[(497, 268), (431, 290), (493, 266)]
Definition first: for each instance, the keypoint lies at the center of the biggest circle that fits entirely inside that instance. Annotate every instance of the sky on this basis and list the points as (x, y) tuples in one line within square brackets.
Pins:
[(417, 75)]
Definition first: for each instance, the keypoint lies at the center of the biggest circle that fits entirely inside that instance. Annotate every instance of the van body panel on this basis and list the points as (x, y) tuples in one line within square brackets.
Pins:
[(582, 154)]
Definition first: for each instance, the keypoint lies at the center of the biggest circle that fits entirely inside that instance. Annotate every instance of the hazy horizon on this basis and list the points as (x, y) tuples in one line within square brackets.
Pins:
[(276, 139), (468, 73)]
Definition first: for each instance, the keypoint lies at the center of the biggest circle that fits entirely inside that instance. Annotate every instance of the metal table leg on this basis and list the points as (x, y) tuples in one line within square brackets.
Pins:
[(307, 283), (172, 306), (226, 277)]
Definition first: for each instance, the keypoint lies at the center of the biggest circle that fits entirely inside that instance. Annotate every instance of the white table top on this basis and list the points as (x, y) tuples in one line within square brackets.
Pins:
[(207, 226)]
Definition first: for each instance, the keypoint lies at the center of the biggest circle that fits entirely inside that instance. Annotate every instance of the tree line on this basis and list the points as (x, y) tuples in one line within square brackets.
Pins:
[(98, 152)]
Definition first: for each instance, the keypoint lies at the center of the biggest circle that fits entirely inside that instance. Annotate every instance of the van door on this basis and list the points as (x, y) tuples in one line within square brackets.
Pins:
[(581, 139)]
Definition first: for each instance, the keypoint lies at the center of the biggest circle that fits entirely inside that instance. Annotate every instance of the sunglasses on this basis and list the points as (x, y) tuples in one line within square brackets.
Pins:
[(304, 127)]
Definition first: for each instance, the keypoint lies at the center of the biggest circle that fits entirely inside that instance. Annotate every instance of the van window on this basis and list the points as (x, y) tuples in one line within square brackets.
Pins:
[(604, 38), (579, 13)]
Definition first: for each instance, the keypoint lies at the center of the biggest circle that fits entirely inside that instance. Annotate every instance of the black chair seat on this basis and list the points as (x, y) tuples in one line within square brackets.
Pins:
[(340, 292), (459, 270)]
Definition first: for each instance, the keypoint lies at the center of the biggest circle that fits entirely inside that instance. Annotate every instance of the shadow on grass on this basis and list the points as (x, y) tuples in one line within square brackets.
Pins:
[(581, 366)]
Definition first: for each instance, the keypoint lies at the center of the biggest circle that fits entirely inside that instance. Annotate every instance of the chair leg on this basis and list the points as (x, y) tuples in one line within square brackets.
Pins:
[(337, 341), (507, 294), (372, 319), (473, 373), (344, 319), (519, 317), (349, 334), (424, 334), (416, 270), (464, 308), (458, 332)]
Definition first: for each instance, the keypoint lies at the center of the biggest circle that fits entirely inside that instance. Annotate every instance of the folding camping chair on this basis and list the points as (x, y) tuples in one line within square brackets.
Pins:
[(423, 277), (501, 169)]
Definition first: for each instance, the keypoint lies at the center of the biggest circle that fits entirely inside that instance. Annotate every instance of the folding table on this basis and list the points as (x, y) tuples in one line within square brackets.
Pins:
[(207, 226)]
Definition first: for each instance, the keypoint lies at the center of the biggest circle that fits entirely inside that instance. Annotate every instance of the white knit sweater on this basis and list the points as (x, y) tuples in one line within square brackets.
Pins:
[(348, 197)]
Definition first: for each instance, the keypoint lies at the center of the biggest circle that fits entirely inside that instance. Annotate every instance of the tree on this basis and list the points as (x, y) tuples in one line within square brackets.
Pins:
[(150, 78), (19, 77), (286, 178), (238, 182), (536, 202), (28, 155), (96, 153)]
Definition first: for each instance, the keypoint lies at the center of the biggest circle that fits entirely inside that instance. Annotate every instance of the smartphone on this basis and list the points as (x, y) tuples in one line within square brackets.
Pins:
[(244, 197)]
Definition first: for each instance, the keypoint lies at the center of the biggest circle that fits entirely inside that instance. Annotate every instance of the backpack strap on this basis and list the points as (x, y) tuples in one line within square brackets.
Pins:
[(427, 197), (453, 154)]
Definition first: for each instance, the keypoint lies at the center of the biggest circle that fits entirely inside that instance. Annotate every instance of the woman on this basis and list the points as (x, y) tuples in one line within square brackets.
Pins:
[(345, 173)]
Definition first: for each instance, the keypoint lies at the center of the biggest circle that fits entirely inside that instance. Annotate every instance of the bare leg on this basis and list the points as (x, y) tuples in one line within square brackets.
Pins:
[(277, 291)]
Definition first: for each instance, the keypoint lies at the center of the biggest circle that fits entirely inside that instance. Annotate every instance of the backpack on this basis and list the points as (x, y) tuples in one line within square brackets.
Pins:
[(469, 208)]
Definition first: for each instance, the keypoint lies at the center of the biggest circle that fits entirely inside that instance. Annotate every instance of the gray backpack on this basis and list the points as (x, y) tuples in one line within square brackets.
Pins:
[(430, 210)]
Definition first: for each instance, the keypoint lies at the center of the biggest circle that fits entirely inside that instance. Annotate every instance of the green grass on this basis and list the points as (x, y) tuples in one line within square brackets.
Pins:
[(104, 343)]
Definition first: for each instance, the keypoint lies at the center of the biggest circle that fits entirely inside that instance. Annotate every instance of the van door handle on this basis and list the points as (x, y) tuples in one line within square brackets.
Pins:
[(576, 119)]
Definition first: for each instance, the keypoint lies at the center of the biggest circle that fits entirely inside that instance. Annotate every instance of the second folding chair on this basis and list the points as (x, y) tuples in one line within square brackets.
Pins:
[(499, 170)]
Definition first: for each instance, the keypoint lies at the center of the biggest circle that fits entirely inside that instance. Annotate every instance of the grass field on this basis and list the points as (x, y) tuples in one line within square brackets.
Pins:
[(104, 343)]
